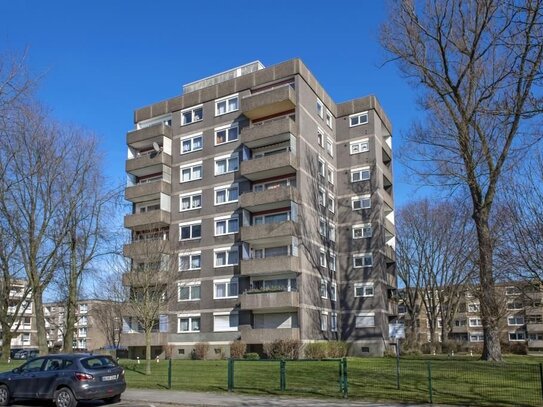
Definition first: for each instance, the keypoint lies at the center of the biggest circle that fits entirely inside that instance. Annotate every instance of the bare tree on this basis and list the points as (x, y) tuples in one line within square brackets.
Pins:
[(436, 247), (478, 63)]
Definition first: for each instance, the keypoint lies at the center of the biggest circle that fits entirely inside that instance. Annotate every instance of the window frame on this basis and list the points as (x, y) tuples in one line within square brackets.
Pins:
[(368, 290), (191, 167), (227, 99), (192, 110), (362, 256), (190, 255), (228, 283), (191, 318), (226, 188), (229, 314), (359, 143), (191, 138), (320, 108), (324, 320), (227, 158), (191, 196), (225, 129), (227, 220), (360, 171), (363, 227), (190, 225), (227, 250), (361, 199), (330, 146), (364, 315), (190, 287), (358, 116)]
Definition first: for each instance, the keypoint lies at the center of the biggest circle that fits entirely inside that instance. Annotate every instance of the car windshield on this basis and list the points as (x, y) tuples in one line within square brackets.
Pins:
[(98, 362)]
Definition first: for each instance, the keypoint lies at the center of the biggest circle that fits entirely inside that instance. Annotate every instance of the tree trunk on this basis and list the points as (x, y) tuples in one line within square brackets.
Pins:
[(37, 296), (71, 300), (490, 309), (148, 352), (6, 342)]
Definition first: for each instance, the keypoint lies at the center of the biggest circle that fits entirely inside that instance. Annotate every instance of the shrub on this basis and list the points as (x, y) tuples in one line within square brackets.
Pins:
[(337, 349), (451, 346), (237, 349), (251, 356), (283, 349), (519, 348), (316, 350), (200, 351)]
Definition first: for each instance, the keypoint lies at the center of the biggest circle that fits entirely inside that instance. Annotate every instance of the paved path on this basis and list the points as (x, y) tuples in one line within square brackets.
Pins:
[(186, 398)]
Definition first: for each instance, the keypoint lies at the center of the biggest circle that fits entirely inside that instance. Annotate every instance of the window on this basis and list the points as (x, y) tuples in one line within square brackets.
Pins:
[(330, 147), (535, 337), (320, 109), (190, 201), (515, 320), (190, 261), (331, 232), (329, 119), (226, 194), (474, 308), (362, 231), (332, 262), (360, 174), (277, 217), (225, 321), (226, 134), (476, 337), (460, 322), (333, 322), (362, 260), (285, 182), (514, 305), (226, 226), (322, 226), (225, 288), (191, 143), (322, 197), (226, 257), (361, 202), (192, 115), (359, 146), (82, 332), (271, 252), (226, 164), (82, 321), (364, 290), (322, 167), (357, 119), (25, 338), (333, 291), (517, 336), (324, 321), (365, 320), (190, 231), (330, 175), (83, 308), (475, 322), (324, 289), (226, 105), (512, 291), (331, 203), (534, 319), (191, 172), (322, 258), (320, 137), (189, 291), (188, 323)]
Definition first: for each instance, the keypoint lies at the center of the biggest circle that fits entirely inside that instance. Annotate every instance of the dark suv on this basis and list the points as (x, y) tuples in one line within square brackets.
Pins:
[(65, 379)]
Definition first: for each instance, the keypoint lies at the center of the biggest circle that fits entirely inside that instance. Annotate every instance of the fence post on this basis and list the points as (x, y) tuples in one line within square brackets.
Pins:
[(340, 376), (170, 373), (282, 375), (430, 382), (397, 366), (230, 374), (345, 381), (541, 377)]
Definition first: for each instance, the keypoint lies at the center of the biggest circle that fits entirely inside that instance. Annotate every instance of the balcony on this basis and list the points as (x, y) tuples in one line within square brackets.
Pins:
[(149, 278), (535, 344), (147, 220), (390, 229), (147, 164), (269, 166), (538, 327), (138, 339), (148, 135), (269, 266), (269, 102), (390, 254), (269, 132), (146, 191), (271, 231), (145, 248), (250, 335), (270, 301), (273, 198)]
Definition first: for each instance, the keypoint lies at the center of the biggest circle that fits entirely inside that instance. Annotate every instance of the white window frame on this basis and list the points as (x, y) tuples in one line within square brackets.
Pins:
[(475, 322), (331, 203), (227, 220), (357, 116), (476, 307), (324, 320), (323, 289), (362, 227), (222, 314), (360, 171), (322, 226), (226, 188), (476, 337), (225, 129), (191, 166), (322, 167), (322, 197), (227, 158), (227, 99), (190, 256), (514, 318), (333, 291), (330, 146), (191, 196), (191, 138), (190, 224), (192, 109), (190, 317), (365, 315), (228, 282), (331, 231), (332, 264), (322, 258), (517, 333), (320, 108), (189, 285), (333, 322), (329, 119), (363, 146), (227, 250), (361, 199), (330, 175), (320, 137), (368, 290), (362, 256)]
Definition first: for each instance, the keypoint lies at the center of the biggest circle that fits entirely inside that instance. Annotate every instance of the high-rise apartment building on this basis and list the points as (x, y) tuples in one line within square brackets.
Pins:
[(276, 205)]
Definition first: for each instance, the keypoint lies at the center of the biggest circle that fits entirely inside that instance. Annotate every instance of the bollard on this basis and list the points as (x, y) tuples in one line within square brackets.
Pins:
[(138, 360), (282, 375), (9, 360), (430, 382), (170, 373), (230, 374), (157, 359)]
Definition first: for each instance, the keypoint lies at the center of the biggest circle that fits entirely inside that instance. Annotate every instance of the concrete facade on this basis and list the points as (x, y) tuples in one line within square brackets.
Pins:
[(277, 205)]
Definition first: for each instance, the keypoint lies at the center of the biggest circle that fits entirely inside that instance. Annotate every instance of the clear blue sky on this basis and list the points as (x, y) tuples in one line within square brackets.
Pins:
[(103, 59)]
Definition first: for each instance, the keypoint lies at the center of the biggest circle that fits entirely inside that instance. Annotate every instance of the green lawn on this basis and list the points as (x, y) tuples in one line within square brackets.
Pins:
[(458, 380)]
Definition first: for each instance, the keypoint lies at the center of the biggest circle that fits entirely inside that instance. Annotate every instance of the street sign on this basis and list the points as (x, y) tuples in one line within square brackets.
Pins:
[(396, 331)]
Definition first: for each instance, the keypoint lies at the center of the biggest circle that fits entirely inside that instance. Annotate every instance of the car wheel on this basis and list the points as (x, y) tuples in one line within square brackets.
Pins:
[(5, 397), (113, 400), (64, 398)]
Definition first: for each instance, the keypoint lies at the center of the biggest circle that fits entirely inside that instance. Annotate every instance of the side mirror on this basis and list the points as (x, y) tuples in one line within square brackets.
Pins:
[(17, 370)]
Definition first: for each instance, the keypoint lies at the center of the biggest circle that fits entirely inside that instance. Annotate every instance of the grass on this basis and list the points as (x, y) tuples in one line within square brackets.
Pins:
[(459, 380)]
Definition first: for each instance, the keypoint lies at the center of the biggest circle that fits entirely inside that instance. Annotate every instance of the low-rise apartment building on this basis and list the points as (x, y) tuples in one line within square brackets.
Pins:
[(20, 301)]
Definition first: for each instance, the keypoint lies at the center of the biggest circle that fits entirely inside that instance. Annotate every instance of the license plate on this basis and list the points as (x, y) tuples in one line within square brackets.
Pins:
[(109, 378)]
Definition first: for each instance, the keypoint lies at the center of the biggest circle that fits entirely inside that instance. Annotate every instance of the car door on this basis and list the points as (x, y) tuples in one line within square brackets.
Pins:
[(46, 379), (23, 381)]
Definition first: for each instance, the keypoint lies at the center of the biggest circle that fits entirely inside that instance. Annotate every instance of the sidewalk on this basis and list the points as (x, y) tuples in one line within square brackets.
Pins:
[(187, 398)]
